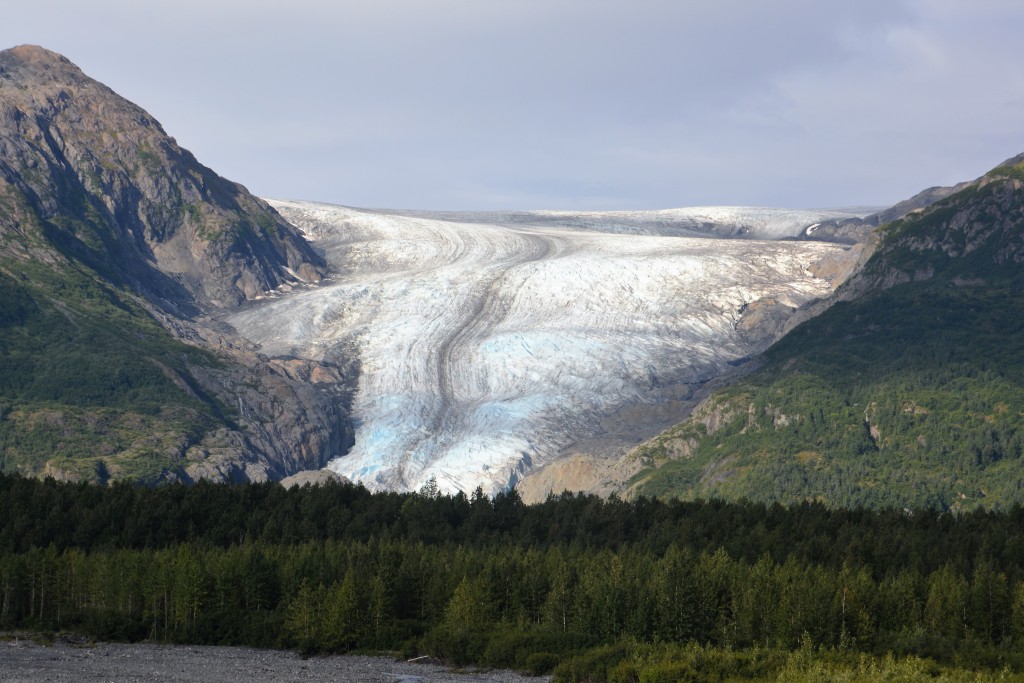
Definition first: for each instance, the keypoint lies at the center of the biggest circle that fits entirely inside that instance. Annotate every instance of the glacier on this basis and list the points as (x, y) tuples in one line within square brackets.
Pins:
[(489, 342)]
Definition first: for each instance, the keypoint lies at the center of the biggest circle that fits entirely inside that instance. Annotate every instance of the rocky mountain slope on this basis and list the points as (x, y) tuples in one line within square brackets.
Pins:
[(108, 227), (95, 178), (846, 229), (906, 391)]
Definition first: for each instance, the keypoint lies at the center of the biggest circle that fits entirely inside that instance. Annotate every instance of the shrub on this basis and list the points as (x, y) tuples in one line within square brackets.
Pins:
[(541, 663)]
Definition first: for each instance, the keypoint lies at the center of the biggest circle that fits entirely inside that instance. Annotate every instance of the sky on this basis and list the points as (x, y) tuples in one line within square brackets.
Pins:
[(563, 104)]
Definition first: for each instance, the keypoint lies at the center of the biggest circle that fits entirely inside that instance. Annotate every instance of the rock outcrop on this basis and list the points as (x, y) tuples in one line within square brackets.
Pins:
[(97, 202), (971, 238), (896, 391), (855, 230), (312, 478), (97, 179), (292, 414)]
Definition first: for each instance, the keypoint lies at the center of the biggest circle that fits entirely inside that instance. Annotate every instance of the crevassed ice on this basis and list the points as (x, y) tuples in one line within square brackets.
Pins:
[(487, 343)]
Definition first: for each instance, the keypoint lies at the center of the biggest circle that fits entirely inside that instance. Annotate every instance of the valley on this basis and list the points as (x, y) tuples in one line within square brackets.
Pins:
[(489, 343), (705, 443), (595, 351)]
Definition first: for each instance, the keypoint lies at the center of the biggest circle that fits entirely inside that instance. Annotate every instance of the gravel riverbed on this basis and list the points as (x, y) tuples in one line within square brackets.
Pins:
[(27, 661)]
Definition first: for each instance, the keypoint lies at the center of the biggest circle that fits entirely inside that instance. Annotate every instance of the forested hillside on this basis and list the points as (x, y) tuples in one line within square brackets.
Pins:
[(92, 387), (592, 589), (907, 392)]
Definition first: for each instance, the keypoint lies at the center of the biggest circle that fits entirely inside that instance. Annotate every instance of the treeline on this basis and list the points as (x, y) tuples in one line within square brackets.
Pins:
[(40, 513), (504, 606), (594, 590)]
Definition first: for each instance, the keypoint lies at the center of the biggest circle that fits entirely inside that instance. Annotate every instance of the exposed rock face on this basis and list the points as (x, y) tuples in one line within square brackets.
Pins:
[(921, 200), (90, 179), (916, 367), (293, 416), (313, 478), (973, 237), (762, 321), (855, 230), (579, 473), (97, 178)]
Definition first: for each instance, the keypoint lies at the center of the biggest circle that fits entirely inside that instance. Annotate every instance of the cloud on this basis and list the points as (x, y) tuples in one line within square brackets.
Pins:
[(563, 103), (931, 100)]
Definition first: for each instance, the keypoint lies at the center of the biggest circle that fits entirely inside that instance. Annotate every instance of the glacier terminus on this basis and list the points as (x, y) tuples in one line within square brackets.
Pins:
[(488, 343)]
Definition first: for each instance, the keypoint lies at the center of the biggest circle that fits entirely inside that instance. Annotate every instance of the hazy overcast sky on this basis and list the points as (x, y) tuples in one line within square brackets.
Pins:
[(563, 104)]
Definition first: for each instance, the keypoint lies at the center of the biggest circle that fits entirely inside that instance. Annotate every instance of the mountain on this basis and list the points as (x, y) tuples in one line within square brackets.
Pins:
[(855, 229), (159, 323), (112, 237), (907, 391), (95, 178)]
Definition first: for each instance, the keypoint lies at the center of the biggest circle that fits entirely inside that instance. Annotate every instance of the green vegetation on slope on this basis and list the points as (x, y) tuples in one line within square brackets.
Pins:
[(91, 387), (909, 396)]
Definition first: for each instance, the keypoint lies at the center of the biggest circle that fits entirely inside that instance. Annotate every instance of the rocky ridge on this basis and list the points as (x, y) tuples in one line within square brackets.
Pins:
[(902, 388), (97, 179), (973, 237), (856, 229), (98, 204)]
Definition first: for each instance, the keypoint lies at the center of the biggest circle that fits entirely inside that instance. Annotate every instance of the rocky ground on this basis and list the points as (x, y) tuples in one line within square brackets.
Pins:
[(26, 661)]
